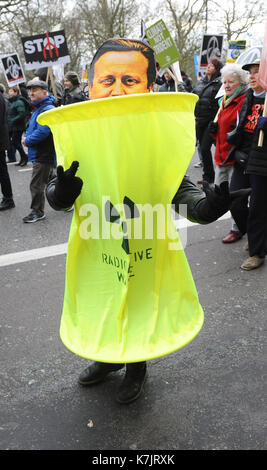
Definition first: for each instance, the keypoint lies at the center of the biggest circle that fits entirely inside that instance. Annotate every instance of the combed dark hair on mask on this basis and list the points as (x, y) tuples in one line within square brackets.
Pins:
[(127, 45)]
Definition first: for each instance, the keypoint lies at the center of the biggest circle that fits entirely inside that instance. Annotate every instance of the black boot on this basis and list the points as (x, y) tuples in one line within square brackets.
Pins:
[(23, 163), (133, 382), (6, 203), (96, 372)]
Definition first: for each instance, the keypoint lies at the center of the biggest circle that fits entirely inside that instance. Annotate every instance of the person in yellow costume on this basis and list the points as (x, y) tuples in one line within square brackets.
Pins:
[(124, 67)]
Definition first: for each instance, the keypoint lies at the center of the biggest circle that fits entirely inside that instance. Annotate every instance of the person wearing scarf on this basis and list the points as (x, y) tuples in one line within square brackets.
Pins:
[(250, 169), (235, 81)]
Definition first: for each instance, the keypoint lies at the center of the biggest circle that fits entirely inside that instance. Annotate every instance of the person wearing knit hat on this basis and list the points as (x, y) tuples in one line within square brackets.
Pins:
[(73, 92), (72, 77), (216, 63)]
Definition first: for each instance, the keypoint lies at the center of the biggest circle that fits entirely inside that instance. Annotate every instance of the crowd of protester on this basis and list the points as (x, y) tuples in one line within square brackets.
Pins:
[(228, 117)]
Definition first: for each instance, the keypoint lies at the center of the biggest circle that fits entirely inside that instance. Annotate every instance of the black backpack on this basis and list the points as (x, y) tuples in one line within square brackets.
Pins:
[(28, 108)]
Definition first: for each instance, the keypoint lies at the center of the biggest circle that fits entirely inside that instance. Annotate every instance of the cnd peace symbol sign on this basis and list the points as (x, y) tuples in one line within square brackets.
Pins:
[(213, 49), (13, 68)]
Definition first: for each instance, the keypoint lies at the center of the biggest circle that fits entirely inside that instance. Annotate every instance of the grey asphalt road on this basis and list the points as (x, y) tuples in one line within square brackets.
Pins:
[(208, 395)]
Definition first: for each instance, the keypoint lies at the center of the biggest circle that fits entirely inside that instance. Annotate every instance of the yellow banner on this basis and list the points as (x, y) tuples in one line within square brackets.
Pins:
[(129, 293)]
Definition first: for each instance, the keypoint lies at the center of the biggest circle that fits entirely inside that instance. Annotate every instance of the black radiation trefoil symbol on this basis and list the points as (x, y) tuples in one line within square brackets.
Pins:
[(112, 215)]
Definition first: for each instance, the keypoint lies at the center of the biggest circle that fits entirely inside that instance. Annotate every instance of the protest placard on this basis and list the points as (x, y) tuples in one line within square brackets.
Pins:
[(211, 47), (84, 78), (13, 70), (45, 50), (262, 79), (161, 41), (235, 48)]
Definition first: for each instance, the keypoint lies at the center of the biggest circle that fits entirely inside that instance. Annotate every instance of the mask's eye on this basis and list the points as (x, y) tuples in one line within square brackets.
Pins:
[(107, 80), (129, 81)]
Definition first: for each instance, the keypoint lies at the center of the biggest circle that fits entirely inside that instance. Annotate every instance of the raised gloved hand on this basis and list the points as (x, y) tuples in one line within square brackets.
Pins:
[(67, 186), (262, 123), (219, 199)]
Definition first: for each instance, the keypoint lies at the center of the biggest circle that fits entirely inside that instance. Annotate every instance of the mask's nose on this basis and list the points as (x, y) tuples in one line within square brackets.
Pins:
[(118, 88)]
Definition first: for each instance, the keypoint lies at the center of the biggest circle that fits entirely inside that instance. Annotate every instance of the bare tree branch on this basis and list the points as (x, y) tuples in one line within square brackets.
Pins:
[(187, 23), (236, 18), (7, 6)]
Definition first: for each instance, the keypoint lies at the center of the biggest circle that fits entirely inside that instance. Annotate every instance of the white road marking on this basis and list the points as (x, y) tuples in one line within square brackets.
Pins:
[(31, 255), (181, 222), (61, 249)]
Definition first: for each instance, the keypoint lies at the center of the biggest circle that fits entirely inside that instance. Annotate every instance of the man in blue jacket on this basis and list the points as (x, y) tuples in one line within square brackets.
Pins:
[(41, 151)]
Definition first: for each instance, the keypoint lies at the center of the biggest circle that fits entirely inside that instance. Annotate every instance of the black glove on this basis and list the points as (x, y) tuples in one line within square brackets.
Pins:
[(67, 186), (240, 157), (213, 127), (262, 124), (219, 199), (231, 139)]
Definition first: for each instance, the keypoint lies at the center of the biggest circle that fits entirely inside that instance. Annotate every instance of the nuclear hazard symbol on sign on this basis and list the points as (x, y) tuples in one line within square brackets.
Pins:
[(113, 216), (13, 69), (45, 50)]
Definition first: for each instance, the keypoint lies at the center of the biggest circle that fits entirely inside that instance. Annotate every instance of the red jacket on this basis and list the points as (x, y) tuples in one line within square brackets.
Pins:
[(226, 123)]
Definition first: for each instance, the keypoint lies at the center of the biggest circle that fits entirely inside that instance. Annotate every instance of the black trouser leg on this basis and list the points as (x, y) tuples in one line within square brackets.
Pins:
[(40, 177), (11, 153), (135, 367), (257, 218), (239, 207), (4, 177), (16, 141), (205, 142)]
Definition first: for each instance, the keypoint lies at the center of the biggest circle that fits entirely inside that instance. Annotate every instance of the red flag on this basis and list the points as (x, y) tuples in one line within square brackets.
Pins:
[(262, 77)]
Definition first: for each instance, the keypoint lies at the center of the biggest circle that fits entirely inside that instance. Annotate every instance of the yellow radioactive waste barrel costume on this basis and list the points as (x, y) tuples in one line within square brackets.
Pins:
[(129, 293)]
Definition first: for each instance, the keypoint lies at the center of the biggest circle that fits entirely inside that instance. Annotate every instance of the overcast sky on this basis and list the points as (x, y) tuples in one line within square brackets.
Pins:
[(255, 37)]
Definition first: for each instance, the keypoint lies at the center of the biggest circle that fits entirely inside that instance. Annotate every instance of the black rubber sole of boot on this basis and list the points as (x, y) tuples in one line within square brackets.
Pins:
[(135, 397)]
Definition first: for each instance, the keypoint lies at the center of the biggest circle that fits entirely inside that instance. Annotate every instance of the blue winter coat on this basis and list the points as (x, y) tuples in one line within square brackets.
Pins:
[(36, 133)]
